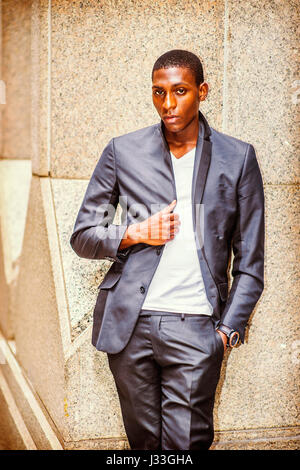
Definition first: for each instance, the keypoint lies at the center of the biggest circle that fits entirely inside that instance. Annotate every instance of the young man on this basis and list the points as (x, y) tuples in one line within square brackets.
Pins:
[(163, 314)]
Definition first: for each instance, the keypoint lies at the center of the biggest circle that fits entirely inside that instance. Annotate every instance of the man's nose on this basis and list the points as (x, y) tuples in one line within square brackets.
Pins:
[(169, 102)]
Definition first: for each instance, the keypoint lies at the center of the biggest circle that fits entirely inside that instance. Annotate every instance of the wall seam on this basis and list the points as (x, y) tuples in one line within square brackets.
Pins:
[(49, 92), (225, 65)]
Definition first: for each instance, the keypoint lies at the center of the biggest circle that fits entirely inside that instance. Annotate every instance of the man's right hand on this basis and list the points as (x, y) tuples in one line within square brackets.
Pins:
[(156, 230)]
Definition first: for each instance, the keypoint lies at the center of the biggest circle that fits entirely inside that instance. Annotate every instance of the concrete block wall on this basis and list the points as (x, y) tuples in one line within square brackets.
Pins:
[(81, 75)]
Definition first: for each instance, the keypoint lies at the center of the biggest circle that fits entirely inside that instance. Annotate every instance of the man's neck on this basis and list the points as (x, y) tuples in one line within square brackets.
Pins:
[(183, 141)]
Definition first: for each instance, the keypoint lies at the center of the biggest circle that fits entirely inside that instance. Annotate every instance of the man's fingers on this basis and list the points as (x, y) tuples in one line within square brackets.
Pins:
[(171, 218), (170, 207)]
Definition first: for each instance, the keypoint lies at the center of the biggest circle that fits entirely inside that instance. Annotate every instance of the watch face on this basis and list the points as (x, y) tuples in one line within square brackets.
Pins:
[(234, 339)]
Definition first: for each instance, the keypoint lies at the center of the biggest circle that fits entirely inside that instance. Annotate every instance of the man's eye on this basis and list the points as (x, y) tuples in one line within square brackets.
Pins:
[(158, 92), (181, 91)]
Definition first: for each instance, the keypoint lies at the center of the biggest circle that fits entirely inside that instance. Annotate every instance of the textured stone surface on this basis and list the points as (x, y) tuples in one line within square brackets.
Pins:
[(40, 91), (261, 101), (16, 57), (260, 439), (37, 329), (82, 276), (92, 409), (260, 380), (15, 178), (98, 444), (102, 59), (10, 437), (27, 411)]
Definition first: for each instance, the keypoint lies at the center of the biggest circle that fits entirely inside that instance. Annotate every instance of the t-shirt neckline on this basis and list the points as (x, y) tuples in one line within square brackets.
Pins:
[(177, 159)]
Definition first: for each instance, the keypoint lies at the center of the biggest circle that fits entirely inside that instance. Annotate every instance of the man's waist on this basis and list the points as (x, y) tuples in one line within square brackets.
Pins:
[(147, 312)]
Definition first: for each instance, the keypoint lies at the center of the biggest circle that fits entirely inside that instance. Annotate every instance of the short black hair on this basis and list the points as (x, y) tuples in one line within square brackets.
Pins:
[(181, 58)]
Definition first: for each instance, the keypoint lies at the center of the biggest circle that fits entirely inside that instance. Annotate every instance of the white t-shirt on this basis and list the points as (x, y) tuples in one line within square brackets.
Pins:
[(177, 284)]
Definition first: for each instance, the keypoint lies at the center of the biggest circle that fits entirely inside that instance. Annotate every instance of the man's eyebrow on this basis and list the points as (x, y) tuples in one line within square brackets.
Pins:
[(175, 84)]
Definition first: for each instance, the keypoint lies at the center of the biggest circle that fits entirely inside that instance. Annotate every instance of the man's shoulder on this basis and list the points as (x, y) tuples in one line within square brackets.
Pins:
[(228, 142), (138, 134), (220, 140)]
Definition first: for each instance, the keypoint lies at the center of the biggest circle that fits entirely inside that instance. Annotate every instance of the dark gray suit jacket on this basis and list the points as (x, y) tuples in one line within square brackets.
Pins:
[(226, 181)]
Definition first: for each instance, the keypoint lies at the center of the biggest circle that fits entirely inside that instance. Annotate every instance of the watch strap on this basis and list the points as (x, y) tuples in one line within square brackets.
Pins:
[(230, 333), (225, 329)]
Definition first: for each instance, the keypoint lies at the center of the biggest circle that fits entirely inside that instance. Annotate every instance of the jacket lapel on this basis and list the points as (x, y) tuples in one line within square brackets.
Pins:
[(202, 160), (201, 165)]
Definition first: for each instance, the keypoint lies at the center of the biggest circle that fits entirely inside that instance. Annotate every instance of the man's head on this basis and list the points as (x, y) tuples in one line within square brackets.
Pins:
[(177, 88), (180, 58)]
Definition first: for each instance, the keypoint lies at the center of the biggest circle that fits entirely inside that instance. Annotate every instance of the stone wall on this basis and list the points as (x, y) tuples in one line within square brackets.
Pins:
[(77, 74)]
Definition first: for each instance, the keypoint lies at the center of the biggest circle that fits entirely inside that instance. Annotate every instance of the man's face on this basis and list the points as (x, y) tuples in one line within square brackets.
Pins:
[(175, 93)]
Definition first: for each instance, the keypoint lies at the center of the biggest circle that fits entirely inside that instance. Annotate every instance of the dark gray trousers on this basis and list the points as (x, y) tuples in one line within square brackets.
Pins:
[(166, 378)]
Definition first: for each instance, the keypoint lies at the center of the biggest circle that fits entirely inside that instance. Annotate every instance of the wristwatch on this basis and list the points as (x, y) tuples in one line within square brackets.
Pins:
[(232, 335)]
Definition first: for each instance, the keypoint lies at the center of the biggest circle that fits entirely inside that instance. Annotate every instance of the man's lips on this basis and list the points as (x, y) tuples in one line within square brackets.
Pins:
[(171, 118)]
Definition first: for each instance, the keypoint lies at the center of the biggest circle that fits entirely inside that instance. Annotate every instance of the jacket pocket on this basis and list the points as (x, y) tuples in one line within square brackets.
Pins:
[(223, 291)]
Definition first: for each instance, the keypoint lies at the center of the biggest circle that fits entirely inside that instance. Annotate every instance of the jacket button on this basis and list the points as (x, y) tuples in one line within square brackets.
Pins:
[(142, 289)]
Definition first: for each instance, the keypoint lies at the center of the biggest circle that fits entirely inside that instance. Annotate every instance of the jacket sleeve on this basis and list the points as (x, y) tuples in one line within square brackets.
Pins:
[(248, 247), (94, 236)]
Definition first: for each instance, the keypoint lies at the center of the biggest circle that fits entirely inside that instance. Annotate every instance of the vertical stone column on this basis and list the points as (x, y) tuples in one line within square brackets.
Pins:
[(15, 169)]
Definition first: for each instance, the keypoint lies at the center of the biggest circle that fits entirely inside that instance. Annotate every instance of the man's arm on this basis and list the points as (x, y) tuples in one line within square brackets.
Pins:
[(94, 236), (248, 247)]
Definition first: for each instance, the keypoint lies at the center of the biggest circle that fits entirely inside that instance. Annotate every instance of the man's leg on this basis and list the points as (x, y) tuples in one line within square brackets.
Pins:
[(190, 354), (137, 378)]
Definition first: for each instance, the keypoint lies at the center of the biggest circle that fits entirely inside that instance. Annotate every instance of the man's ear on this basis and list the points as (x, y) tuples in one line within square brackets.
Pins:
[(203, 91)]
